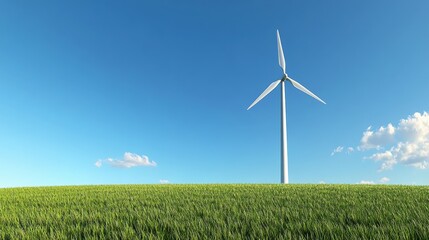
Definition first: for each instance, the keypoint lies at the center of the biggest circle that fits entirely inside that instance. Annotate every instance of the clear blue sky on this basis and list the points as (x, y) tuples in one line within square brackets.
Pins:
[(82, 81)]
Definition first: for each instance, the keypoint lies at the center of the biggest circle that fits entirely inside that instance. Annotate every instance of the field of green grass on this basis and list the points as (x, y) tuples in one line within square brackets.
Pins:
[(215, 212)]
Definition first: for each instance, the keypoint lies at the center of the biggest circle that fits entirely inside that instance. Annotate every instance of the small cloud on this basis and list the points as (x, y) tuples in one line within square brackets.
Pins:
[(384, 180), (99, 163), (337, 150), (128, 161), (322, 182), (366, 182), (164, 181), (341, 149)]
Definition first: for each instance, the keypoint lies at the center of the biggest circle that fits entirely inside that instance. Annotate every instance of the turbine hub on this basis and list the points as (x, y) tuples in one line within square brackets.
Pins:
[(284, 77)]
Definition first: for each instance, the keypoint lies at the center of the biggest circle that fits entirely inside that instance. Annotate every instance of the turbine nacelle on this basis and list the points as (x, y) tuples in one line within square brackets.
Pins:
[(285, 77)]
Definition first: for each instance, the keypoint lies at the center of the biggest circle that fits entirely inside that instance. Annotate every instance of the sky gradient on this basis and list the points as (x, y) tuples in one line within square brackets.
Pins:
[(109, 92)]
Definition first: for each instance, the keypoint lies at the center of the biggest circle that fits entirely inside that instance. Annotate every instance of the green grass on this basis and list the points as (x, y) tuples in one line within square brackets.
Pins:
[(215, 212)]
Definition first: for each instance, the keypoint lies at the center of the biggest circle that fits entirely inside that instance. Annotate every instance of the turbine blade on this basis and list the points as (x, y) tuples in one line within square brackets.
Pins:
[(302, 88), (265, 93), (282, 62)]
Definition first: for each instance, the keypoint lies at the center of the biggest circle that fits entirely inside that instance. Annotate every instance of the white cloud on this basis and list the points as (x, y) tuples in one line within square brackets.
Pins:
[(164, 181), (407, 143), (337, 150), (322, 182), (384, 180), (98, 163), (366, 182), (341, 149), (128, 161), (377, 139)]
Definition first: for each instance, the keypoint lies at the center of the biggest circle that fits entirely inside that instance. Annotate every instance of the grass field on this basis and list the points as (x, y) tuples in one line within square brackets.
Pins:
[(215, 212)]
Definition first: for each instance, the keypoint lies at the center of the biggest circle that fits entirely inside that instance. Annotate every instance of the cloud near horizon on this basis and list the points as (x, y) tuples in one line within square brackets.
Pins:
[(129, 160), (406, 143), (383, 180), (366, 182)]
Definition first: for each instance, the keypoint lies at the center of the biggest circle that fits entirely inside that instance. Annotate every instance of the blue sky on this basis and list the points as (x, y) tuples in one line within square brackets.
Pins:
[(85, 82)]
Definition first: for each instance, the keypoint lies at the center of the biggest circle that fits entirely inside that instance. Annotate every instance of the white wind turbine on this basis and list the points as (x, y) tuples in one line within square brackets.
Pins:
[(285, 77)]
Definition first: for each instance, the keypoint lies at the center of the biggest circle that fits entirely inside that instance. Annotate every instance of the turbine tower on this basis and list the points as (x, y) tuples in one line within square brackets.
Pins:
[(285, 77)]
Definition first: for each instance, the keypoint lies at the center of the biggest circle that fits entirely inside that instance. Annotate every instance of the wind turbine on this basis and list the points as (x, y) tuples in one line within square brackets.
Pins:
[(285, 77)]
